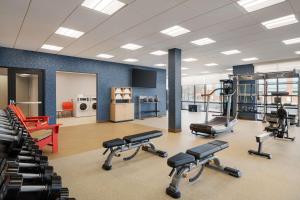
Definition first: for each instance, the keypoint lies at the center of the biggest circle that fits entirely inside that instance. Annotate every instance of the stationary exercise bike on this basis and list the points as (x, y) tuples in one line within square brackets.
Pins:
[(278, 128)]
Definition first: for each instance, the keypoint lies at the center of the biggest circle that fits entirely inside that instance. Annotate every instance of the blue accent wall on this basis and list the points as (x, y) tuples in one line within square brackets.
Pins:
[(108, 75)]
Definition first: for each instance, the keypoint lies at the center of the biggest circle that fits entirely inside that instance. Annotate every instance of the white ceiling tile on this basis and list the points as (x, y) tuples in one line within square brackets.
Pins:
[(204, 6), (84, 19), (43, 19), (213, 17), (295, 5), (272, 12), (12, 13), (118, 23)]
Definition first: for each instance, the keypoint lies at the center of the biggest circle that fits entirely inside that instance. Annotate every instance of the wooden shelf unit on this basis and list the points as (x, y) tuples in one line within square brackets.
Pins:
[(121, 106)]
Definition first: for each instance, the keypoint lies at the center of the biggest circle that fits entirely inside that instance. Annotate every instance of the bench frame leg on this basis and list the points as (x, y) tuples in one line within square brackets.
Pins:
[(115, 152), (173, 189), (216, 165), (259, 152), (151, 149), (107, 163), (210, 162)]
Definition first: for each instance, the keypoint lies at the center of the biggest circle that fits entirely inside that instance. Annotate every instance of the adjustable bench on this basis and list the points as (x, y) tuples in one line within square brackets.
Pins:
[(116, 146), (200, 156)]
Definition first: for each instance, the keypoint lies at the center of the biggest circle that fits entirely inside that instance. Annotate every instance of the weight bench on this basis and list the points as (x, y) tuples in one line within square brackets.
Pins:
[(116, 146), (197, 157), (262, 137)]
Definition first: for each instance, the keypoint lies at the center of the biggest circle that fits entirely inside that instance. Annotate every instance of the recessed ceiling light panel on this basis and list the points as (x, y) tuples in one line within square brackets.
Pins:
[(253, 5), (231, 52), (184, 68), (108, 7), (189, 59), (297, 52), (229, 69), (211, 64), (131, 46), (51, 47), (160, 65), (292, 41), (249, 59), (131, 60), (159, 53), (175, 31), (203, 41), (69, 32), (103, 55), (279, 22)]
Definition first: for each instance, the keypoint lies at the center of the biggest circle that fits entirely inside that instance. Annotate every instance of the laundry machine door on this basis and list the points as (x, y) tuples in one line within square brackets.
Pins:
[(83, 106), (94, 106)]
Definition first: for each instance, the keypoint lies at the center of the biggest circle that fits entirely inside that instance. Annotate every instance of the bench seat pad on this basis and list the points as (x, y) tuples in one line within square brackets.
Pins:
[(220, 143), (142, 136), (113, 143), (180, 159), (205, 150)]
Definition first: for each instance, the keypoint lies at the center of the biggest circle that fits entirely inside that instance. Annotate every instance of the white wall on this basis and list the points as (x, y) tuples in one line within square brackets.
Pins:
[(203, 79), (70, 85), (3, 91), (22, 93), (277, 66), (33, 95)]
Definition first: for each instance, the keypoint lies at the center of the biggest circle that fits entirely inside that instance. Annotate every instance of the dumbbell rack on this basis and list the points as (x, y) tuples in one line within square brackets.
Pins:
[(24, 170), (141, 101)]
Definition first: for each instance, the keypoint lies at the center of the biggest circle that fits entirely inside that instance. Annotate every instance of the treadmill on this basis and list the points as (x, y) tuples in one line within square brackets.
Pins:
[(219, 124)]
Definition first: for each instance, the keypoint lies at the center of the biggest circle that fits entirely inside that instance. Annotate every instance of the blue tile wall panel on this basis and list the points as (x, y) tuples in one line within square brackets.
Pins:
[(108, 75)]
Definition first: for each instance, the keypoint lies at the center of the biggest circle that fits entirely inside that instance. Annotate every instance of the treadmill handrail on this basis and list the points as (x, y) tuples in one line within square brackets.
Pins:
[(205, 95), (212, 92), (228, 113)]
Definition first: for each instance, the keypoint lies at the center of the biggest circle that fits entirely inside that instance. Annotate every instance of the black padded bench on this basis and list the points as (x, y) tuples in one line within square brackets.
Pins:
[(200, 156), (146, 136), (136, 141)]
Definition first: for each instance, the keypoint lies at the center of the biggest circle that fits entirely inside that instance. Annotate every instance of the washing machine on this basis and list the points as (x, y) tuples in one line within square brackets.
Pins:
[(82, 107), (93, 106)]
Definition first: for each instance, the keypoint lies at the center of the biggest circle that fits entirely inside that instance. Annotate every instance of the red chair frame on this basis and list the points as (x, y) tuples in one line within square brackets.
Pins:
[(38, 123)]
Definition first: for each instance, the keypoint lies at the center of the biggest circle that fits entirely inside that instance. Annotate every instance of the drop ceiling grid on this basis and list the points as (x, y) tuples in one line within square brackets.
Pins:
[(169, 17), (9, 31), (186, 42), (109, 29), (221, 20), (40, 21), (177, 15)]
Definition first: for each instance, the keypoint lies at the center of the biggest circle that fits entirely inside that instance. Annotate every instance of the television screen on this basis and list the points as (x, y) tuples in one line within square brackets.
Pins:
[(143, 78)]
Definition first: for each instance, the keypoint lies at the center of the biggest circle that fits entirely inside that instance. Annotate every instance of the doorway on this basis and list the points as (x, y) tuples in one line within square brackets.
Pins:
[(78, 90), (26, 89)]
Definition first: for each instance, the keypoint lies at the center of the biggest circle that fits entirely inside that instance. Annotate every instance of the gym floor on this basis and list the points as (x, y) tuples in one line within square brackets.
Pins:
[(146, 176)]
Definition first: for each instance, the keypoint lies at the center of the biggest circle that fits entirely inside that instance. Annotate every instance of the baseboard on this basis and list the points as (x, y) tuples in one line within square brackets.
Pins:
[(177, 130)]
